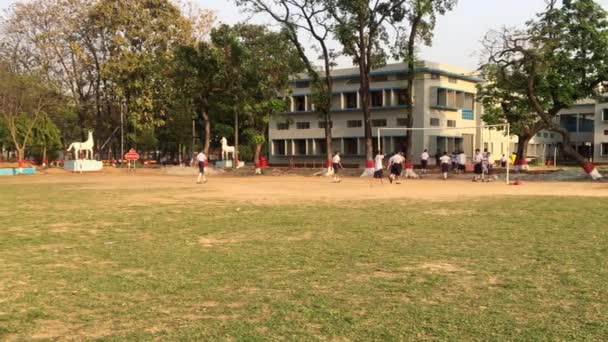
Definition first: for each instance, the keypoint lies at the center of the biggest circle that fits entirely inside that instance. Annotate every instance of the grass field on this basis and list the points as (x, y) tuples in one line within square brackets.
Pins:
[(86, 262)]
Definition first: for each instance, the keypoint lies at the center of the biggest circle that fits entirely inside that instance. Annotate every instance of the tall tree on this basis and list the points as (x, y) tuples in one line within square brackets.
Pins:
[(269, 61), (361, 28), (46, 136), (23, 101), (564, 58), (307, 21), (418, 26)]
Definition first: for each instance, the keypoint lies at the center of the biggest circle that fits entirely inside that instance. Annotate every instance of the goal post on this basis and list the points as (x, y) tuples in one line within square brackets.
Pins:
[(506, 127)]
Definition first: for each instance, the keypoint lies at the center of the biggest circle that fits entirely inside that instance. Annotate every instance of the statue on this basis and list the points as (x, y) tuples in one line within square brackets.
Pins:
[(86, 146), (226, 149)]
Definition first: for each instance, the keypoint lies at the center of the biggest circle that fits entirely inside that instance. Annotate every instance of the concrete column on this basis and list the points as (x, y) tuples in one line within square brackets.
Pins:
[(306, 102), (306, 145), (342, 145), (314, 146), (358, 99), (342, 106), (358, 145), (384, 97)]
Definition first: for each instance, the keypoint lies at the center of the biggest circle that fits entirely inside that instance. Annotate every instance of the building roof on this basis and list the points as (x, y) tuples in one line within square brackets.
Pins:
[(401, 68)]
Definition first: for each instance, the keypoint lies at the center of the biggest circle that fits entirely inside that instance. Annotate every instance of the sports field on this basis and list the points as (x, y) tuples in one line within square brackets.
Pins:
[(157, 257)]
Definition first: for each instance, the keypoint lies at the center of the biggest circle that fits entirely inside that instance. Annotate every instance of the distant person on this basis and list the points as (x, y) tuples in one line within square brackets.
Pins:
[(378, 166), (201, 159), (487, 162), (478, 168), (424, 160), (513, 158), (454, 161), (395, 165), (462, 162), (336, 163), (445, 165), (503, 161)]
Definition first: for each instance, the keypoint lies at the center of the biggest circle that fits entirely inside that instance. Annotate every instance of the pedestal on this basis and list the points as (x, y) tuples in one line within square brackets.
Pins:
[(83, 165)]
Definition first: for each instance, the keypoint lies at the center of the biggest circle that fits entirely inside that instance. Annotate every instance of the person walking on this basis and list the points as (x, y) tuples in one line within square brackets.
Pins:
[(378, 166), (201, 159), (478, 168), (462, 161), (445, 165), (336, 164), (395, 165), (424, 160)]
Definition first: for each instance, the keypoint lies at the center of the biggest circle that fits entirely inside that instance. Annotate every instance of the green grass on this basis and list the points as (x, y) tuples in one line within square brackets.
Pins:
[(533, 268)]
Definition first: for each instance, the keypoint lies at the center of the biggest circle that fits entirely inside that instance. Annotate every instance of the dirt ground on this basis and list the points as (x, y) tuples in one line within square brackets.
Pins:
[(298, 188)]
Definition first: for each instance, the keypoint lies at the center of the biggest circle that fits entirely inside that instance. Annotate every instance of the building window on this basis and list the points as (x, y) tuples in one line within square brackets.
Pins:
[(401, 96), (350, 100), (605, 114), (552, 135), (303, 125), (379, 123), (302, 84), (279, 147), (467, 114), (585, 123), (350, 146), (299, 103), (281, 126), (401, 122), (353, 80), (435, 76), (545, 135), (568, 122), (354, 123), (434, 122), (401, 77), (442, 97), (376, 96), (539, 134), (451, 123), (605, 149), (379, 78), (322, 124), (452, 80), (300, 147)]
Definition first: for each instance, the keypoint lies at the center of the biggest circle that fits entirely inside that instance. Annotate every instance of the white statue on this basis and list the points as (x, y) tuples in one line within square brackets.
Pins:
[(86, 146), (226, 149)]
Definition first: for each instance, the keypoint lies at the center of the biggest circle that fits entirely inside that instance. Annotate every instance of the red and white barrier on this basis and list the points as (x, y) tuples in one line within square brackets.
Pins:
[(369, 169), (592, 171)]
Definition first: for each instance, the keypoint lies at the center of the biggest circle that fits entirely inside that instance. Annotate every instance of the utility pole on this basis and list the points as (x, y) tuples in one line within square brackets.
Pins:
[(122, 135)]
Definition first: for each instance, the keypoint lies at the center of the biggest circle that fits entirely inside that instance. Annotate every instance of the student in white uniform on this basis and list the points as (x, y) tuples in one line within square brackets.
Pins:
[(462, 161), (424, 160), (201, 160), (395, 165), (445, 165), (477, 161), (336, 164), (378, 166)]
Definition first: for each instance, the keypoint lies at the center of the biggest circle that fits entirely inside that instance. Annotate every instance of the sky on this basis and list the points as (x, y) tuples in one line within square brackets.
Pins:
[(457, 34)]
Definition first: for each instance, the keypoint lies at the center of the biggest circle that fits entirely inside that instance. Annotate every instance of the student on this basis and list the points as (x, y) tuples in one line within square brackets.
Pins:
[(477, 161), (201, 158), (424, 160), (378, 165), (445, 165), (395, 165), (513, 158), (462, 161), (503, 161), (454, 160), (487, 162), (336, 164)]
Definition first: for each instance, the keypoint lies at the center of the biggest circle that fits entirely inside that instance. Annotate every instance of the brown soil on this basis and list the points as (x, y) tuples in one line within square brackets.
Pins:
[(300, 189)]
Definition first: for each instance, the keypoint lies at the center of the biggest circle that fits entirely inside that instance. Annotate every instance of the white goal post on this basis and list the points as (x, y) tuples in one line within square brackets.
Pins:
[(506, 127)]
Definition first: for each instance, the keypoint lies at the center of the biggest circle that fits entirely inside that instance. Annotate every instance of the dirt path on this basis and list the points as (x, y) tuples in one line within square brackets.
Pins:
[(291, 188)]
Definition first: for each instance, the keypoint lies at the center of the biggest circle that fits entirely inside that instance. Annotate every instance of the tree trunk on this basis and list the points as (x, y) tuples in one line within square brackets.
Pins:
[(521, 164), (588, 166), (236, 139), (256, 158), (207, 138), (411, 76), (44, 161)]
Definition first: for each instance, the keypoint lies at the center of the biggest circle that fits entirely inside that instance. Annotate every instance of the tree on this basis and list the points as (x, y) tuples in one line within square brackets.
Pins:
[(503, 95), (46, 135), (196, 68), (303, 20), (564, 58), (360, 27), (23, 101), (269, 60), (421, 17)]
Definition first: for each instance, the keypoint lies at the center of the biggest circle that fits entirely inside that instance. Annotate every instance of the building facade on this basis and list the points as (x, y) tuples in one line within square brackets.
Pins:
[(444, 100)]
